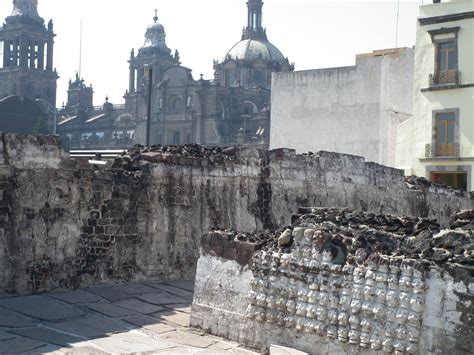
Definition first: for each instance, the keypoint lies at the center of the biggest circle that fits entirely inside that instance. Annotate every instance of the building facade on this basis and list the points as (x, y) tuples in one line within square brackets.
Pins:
[(232, 109), (26, 68), (352, 110), (438, 141)]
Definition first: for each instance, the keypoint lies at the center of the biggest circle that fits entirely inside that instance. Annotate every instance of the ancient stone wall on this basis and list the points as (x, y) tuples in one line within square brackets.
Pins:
[(65, 223), (339, 282)]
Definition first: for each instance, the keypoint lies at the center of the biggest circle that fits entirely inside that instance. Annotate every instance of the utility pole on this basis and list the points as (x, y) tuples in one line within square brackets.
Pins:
[(398, 20), (80, 51), (149, 71)]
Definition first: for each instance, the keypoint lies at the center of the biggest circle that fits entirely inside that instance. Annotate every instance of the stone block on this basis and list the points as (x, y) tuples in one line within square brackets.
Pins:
[(20, 345), (47, 335), (179, 318), (210, 325), (6, 170), (129, 342), (189, 339), (90, 326), (14, 320), (40, 307), (196, 321), (162, 298), (149, 323), (139, 306), (76, 296), (111, 293), (110, 310), (281, 350)]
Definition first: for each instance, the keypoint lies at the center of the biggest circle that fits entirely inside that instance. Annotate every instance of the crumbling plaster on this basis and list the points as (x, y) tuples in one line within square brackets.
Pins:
[(65, 224)]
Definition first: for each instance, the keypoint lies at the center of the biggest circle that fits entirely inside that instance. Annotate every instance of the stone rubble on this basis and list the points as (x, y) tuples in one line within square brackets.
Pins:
[(175, 154), (365, 233), (420, 183)]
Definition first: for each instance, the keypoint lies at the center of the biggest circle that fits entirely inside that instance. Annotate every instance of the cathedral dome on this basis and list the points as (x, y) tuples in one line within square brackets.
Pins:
[(155, 36), (251, 49)]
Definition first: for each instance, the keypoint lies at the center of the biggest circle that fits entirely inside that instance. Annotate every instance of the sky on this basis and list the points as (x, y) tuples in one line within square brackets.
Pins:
[(311, 33)]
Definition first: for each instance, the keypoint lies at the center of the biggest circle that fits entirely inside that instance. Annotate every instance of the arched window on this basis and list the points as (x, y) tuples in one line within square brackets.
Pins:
[(249, 108)]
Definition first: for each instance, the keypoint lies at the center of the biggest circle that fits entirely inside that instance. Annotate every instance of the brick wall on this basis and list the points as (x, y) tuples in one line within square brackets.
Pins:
[(64, 224)]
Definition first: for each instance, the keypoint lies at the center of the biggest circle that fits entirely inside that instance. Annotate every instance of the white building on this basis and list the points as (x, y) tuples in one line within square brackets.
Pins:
[(353, 110), (438, 141)]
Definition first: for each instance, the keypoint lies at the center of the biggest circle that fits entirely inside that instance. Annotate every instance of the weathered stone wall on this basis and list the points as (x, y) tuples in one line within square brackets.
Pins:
[(65, 224), (339, 180), (341, 282)]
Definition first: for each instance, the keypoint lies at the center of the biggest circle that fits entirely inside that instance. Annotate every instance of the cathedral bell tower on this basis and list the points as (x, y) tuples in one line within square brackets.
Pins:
[(26, 68), (254, 29)]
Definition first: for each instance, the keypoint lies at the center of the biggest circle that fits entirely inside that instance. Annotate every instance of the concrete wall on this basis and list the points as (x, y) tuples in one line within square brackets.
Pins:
[(352, 110), (415, 134), (65, 224)]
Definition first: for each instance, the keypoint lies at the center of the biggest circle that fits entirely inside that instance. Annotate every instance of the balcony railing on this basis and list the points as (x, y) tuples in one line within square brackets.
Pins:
[(443, 150), (116, 107), (448, 77)]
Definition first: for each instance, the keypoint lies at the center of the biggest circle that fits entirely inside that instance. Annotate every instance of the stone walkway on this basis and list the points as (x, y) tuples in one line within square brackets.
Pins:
[(144, 318)]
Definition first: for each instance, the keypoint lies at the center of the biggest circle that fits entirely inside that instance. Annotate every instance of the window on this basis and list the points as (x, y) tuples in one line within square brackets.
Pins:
[(447, 56), (249, 108), (230, 78), (259, 77), (445, 41), (445, 134), (455, 179), (176, 138)]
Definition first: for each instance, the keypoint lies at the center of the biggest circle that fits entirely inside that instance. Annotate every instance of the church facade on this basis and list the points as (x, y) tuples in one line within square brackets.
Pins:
[(231, 109)]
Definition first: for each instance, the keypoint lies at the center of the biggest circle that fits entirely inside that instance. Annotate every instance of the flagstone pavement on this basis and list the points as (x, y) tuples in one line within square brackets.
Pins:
[(147, 318)]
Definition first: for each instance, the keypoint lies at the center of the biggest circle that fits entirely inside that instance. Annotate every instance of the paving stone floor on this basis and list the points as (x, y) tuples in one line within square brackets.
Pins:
[(150, 318)]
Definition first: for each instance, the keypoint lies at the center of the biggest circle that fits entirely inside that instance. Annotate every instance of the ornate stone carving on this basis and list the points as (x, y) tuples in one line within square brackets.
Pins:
[(375, 303)]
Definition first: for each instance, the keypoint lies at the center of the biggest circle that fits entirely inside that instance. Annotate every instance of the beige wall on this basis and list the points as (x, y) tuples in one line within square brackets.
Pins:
[(415, 133)]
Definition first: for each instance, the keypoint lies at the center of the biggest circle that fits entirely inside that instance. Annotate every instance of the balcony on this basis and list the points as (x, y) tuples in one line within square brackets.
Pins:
[(445, 78), (434, 151)]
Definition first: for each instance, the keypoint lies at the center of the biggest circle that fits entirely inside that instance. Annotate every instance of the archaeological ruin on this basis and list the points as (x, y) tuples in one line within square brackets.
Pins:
[(347, 267), (340, 281)]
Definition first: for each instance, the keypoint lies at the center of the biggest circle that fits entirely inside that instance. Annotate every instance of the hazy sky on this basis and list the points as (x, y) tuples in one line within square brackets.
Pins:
[(312, 33)]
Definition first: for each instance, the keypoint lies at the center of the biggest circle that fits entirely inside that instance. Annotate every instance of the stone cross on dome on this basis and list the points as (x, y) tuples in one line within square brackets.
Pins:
[(156, 16)]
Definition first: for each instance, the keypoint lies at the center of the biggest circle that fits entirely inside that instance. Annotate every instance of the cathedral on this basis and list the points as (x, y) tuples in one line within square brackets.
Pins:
[(164, 103), (26, 69)]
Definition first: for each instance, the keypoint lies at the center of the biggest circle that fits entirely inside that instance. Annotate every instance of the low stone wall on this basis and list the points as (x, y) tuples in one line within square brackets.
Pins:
[(65, 223), (341, 282)]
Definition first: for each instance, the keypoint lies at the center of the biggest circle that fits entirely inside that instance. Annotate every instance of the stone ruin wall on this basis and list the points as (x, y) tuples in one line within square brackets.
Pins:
[(65, 224), (332, 287)]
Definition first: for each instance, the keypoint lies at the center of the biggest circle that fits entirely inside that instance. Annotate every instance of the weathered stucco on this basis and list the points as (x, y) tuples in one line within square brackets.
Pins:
[(65, 224), (352, 110)]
